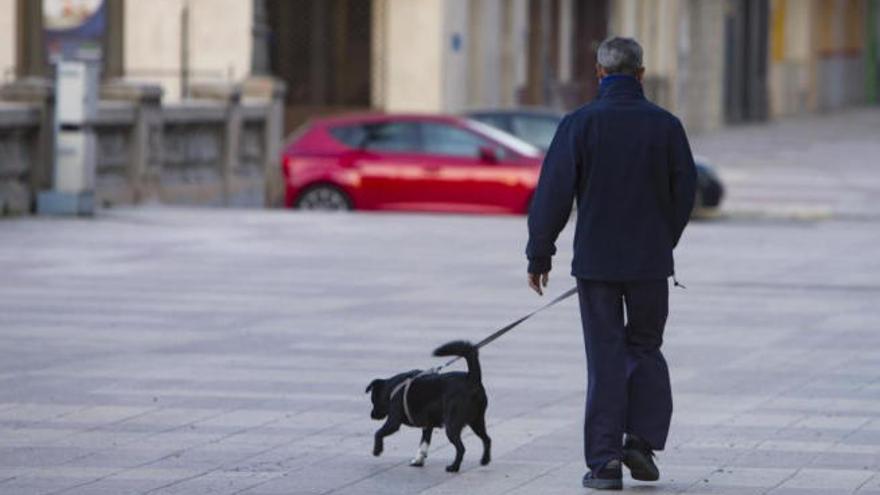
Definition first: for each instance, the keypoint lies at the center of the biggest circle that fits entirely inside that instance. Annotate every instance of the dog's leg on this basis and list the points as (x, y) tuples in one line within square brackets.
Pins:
[(392, 424), (479, 427), (422, 454), (453, 432)]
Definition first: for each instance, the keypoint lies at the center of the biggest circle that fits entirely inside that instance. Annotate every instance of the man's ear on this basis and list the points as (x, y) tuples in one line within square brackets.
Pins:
[(373, 384)]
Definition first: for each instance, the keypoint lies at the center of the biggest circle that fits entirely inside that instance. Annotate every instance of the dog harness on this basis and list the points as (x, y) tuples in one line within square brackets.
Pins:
[(404, 385)]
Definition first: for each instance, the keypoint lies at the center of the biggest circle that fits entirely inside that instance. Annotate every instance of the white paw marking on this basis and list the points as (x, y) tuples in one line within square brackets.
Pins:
[(421, 455)]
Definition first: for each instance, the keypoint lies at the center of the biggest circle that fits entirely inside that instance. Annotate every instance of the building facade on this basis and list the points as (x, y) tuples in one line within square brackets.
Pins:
[(714, 62), (823, 55)]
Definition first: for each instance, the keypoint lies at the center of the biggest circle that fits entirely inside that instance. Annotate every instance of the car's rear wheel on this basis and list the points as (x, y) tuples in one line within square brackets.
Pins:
[(324, 198)]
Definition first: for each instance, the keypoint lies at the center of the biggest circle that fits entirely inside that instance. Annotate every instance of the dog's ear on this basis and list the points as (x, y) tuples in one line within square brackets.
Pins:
[(373, 384)]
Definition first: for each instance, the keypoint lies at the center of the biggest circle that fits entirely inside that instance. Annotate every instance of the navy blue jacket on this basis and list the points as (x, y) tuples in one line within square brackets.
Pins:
[(628, 164)]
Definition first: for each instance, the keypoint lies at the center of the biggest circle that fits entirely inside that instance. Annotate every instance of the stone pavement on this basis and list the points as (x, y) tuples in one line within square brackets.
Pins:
[(186, 351), (817, 167)]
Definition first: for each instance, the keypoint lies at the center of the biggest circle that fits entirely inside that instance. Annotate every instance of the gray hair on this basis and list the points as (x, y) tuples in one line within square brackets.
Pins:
[(620, 55)]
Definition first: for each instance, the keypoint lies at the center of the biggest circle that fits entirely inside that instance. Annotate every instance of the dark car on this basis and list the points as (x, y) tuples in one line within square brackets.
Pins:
[(538, 125)]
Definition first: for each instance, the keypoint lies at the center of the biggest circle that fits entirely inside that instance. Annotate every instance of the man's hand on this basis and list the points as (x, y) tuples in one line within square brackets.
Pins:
[(539, 280)]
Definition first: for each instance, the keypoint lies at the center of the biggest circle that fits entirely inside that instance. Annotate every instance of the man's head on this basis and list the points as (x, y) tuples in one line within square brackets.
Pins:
[(618, 55)]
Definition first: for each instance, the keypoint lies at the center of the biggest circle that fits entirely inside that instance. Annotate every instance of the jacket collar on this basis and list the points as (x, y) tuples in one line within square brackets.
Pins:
[(620, 85)]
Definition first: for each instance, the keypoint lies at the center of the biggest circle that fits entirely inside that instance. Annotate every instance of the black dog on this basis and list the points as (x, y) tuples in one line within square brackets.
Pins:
[(449, 400)]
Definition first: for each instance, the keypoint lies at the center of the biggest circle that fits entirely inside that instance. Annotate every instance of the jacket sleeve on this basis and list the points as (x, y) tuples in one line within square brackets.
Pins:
[(684, 180), (553, 198)]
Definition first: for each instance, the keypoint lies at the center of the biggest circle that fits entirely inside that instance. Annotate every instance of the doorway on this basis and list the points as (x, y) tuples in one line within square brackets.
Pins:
[(745, 61), (322, 50)]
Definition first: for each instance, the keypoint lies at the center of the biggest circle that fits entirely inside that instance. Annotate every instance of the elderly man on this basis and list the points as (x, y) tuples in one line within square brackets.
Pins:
[(628, 165)]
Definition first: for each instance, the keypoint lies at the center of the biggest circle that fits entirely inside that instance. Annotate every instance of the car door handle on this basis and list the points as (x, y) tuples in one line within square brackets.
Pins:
[(433, 168)]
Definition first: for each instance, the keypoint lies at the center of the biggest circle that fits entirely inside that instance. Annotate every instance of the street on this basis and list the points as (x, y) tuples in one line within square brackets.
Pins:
[(184, 351)]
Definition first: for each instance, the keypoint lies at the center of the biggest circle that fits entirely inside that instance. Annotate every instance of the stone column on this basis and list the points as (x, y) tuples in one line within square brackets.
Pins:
[(230, 96), (145, 142), (40, 92), (271, 91)]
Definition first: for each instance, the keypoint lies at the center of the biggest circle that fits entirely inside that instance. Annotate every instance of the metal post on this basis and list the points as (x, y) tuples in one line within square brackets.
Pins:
[(871, 53), (184, 50)]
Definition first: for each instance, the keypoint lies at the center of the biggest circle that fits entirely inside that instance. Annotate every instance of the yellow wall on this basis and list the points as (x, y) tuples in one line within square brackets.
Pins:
[(410, 51), (840, 26), (219, 41), (655, 26), (854, 26), (683, 46), (221, 37), (151, 50), (778, 10), (792, 81), (7, 40), (815, 48)]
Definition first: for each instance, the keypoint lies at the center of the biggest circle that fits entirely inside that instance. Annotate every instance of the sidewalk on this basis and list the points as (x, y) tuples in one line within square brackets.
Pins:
[(812, 167), (185, 351)]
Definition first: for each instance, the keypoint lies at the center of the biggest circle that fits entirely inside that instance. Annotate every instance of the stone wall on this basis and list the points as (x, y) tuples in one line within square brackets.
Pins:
[(18, 130), (220, 148)]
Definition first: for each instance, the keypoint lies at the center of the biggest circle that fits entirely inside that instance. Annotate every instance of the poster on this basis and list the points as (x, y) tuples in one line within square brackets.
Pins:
[(74, 29)]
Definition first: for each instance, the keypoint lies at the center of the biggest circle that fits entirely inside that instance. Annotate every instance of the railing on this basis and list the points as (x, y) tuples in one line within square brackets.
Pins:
[(221, 147)]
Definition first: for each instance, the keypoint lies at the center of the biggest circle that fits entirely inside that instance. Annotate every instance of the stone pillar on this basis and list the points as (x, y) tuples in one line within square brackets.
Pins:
[(271, 91), (145, 142), (230, 96), (699, 84), (40, 92)]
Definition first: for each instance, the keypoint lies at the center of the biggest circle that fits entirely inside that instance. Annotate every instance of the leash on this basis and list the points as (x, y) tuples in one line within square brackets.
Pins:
[(486, 341), (510, 326)]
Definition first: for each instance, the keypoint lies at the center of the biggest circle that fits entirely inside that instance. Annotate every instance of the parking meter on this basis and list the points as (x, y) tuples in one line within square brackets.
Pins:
[(76, 99)]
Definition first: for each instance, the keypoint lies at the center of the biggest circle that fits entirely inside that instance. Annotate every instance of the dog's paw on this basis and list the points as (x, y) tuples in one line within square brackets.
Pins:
[(417, 463), (377, 449), (452, 468), (485, 460)]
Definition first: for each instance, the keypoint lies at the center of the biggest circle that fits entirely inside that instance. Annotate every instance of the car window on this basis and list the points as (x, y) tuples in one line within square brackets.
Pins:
[(506, 140), (536, 130), (392, 136), (350, 135), (499, 121), (443, 139)]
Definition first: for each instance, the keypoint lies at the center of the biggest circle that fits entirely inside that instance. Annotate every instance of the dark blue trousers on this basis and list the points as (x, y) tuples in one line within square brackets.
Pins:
[(628, 388)]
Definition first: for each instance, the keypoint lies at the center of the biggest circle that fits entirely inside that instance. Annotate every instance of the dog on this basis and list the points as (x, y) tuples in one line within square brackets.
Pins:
[(436, 400)]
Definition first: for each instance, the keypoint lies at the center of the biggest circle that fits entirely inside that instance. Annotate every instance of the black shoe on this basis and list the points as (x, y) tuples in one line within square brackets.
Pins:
[(639, 458), (609, 477)]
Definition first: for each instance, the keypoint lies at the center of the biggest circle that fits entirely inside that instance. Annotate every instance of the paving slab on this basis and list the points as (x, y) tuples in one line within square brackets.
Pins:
[(175, 350)]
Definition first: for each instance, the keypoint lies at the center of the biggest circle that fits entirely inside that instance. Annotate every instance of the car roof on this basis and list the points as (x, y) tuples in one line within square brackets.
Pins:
[(526, 111), (366, 118)]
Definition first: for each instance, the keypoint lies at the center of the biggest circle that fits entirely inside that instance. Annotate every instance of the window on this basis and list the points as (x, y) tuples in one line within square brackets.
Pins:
[(445, 139), (507, 141), (536, 130), (392, 136), (498, 121), (350, 135)]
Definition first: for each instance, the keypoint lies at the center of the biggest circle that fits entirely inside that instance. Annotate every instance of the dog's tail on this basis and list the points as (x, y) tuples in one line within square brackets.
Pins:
[(466, 350)]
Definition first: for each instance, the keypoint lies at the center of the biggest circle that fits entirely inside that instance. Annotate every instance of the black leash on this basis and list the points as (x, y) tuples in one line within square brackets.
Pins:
[(510, 326), (488, 340)]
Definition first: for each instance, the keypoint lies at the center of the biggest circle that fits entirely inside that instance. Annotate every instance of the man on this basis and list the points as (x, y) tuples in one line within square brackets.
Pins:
[(628, 165)]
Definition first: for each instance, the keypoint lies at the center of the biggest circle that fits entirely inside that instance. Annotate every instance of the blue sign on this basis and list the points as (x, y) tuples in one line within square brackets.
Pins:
[(456, 42)]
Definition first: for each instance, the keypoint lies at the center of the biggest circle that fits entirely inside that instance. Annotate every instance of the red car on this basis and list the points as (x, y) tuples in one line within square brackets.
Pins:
[(409, 162)]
